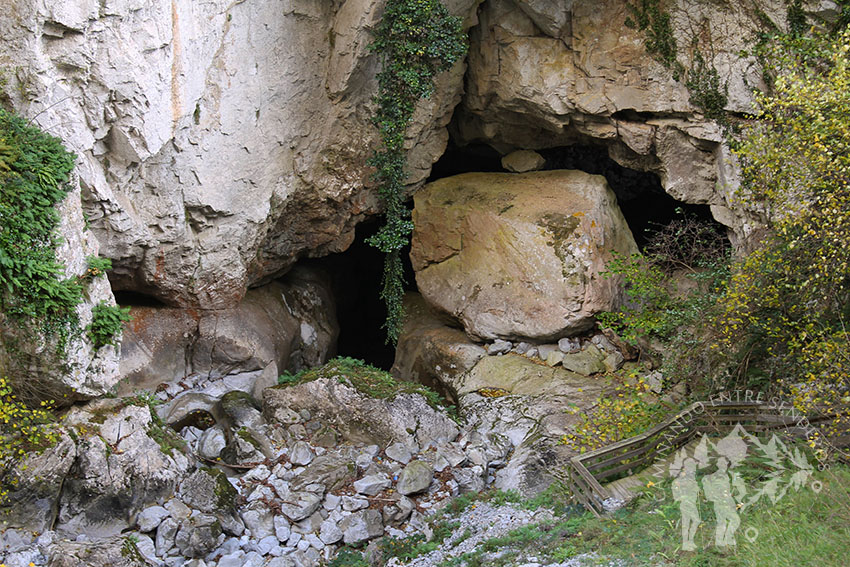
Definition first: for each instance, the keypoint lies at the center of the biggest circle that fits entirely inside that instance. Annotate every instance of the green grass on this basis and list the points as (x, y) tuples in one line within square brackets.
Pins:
[(366, 378), (803, 528)]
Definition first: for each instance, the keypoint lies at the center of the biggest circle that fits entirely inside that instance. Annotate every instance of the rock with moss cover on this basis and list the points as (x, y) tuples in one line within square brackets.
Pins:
[(116, 551), (362, 418), (208, 490), (519, 255), (126, 461), (415, 477)]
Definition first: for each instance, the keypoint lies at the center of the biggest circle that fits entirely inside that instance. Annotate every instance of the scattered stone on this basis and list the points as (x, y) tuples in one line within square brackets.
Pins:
[(301, 454), (499, 346), (241, 409), (361, 526), (416, 477), (585, 362), (555, 358), (613, 361), (282, 530), (331, 502), (522, 348), (150, 518), (468, 481), (177, 509), (259, 519), (398, 452), (522, 161), (330, 532), (165, 534), (543, 351), (352, 503), (372, 484), (655, 380), (300, 505), (198, 535), (569, 345)]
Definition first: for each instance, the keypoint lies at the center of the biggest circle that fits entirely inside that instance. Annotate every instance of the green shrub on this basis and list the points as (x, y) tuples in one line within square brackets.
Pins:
[(96, 267), (786, 309), (22, 430), (34, 173), (107, 323)]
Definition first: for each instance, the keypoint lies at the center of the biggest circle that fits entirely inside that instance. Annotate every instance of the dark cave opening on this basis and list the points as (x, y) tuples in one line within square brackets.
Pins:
[(356, 280), (644, 203), (129, 298), (356, 273)]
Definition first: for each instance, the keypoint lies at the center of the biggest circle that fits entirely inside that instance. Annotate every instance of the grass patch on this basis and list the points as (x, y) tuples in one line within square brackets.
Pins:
[(365, 378), (803, 528)]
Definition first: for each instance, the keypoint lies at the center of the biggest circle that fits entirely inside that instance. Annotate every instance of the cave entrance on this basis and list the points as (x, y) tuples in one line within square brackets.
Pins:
[(644, 203), (356, 281)]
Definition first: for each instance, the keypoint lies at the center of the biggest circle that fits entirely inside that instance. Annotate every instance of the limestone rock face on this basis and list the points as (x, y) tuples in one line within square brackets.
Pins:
[(548, 73), (219, 141), (289, 323), (518, 255), (119, 470)]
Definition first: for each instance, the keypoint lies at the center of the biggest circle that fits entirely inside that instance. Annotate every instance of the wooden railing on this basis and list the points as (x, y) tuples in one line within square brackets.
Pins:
[(588, 471)]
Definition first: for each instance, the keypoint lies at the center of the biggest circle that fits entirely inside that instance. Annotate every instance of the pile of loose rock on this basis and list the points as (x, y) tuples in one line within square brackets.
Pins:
[(583, 355), (318, 465)]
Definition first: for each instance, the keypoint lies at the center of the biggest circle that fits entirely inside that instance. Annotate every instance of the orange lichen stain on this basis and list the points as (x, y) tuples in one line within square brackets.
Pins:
[(578, 214)]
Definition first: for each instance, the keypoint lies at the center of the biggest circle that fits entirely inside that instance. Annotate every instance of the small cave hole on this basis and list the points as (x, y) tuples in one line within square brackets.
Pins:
[(645, 205), (130, 298), (356, 276), (466, 159)]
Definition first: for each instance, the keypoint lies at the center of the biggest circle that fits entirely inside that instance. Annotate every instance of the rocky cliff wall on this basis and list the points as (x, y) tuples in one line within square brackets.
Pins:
[(218, 141)]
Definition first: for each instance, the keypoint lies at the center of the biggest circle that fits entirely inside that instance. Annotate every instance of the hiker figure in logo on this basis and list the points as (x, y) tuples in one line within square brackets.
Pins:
[(718, 489), (686, 492)]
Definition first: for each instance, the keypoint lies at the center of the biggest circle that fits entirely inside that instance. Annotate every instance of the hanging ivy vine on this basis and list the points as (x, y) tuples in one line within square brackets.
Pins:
[(415, 40)]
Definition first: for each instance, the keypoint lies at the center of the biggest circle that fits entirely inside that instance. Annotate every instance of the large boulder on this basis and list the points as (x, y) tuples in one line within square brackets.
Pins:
[(519, 255), (360, 418), (120, 468), (34, 484)]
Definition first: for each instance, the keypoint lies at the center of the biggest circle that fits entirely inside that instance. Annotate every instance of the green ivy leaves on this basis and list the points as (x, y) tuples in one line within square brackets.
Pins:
[(415, 40)]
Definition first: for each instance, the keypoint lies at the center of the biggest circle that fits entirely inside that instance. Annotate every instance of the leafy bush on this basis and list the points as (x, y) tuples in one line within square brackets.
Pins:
[(107, 322), (22, 429), (787, 305), (630, 410), (96, 267), (655, 309), (415, 40)]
